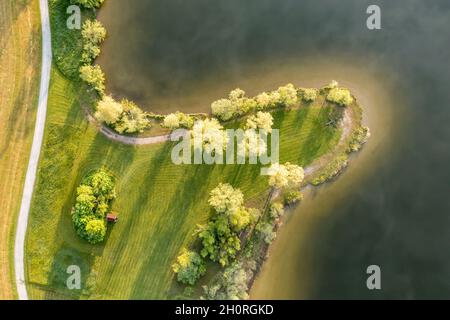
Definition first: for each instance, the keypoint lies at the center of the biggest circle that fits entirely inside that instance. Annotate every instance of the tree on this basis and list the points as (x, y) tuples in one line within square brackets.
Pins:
[(332, 84), (85, 199), (235, 280), (210, 133), (94, 77), (171, 121), (93, 201), (266, 231), (309, 95), (292, 197), (232, 285), (93, 34), (224, 109), (340, 96), (225, 199), (288, 95), (95, 231), (220, 242), (253, 144), (236, 94), (108, 110), (240, 219), (89, 4), (132, 119), (287, 175), (276, 210), (176, 120), (189, 267), (186, 121), (262, 120)]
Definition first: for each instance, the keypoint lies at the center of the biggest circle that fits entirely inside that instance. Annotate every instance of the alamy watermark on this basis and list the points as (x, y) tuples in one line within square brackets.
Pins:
[(73, 282), (74, 20), (374, 20), (374, 280), (225, 146)]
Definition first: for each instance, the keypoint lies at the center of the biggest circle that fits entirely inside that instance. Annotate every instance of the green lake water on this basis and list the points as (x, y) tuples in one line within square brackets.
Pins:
[(391, 206)]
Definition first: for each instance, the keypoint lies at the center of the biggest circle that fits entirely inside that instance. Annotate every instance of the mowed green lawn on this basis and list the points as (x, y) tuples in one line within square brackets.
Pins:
[(159, 203)]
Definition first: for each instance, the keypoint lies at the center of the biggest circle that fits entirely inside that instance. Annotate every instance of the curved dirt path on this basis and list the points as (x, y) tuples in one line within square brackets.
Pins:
[(22, 223)]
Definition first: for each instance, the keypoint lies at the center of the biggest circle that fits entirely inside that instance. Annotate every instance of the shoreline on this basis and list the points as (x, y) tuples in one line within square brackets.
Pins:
[(347, 124)]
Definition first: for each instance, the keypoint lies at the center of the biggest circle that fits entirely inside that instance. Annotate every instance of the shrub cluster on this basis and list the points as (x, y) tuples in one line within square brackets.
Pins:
[(237, 104), (340, 96), (220, 236), (309, 95), (93, 201), (93, 34), (178, 120), (232, 284)]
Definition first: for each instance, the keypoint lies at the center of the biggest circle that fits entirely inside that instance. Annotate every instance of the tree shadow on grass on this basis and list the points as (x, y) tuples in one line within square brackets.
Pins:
[(147, 189), (173, 229)]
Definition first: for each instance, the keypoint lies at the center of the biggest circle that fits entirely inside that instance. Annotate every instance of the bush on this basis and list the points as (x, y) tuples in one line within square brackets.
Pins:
[(243, 217), (288, 95), (262, 120), (331, 170), (94, 77), (189, 267), (95, 231), (94, 197), (359, 137), (89, 4), (220, 242), (108, 110), (276, 210), (132, 119), (177, 120), (265, 229), (231, 285), (292, 197), (267, 100), (93, 34), (224, 109), (236, 104), (340, 96), (309, 95), (67, 45), (225, 199), (124, 117)]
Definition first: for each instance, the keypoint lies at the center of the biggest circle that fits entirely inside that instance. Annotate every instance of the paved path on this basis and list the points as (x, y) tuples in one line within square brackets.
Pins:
[(19, 246), (112, 135)]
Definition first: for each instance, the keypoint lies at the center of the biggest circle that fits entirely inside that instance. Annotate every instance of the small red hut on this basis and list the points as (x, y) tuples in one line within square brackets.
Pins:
[(112, 217)]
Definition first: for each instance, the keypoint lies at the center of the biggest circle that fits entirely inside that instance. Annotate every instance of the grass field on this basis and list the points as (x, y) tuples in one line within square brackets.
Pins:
[(19, 80), (159, 203)]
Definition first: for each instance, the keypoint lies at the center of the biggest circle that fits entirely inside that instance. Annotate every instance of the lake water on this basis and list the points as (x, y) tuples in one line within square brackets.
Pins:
[(391, 207)]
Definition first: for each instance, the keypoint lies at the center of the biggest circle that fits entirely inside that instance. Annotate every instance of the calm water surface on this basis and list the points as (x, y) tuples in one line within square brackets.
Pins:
[(391, 207)]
